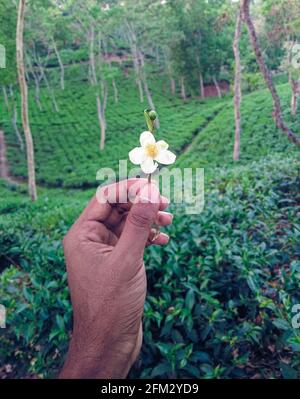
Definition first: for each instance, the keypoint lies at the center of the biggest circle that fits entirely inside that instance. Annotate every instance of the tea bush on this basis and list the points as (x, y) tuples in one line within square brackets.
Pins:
[(67, 142), (219, 295), (259, 138)]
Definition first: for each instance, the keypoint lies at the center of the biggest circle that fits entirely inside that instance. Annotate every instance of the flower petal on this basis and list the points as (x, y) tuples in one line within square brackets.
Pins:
[(149, 166), (137, 155), (147, 138), (163, 145), (165, 157)]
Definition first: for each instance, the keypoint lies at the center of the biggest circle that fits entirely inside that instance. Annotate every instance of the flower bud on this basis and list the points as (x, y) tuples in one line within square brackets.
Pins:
[(152, 115)]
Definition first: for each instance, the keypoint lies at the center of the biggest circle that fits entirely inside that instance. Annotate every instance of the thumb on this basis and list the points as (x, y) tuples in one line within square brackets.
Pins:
[(138, 224)]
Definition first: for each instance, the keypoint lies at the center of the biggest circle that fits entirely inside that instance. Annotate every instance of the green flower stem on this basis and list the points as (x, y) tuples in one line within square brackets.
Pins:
[(150, 117)]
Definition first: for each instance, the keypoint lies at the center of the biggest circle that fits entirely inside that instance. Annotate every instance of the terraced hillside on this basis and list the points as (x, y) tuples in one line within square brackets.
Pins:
[(220, 295), (67, 142), (201, 133), (260, 138)]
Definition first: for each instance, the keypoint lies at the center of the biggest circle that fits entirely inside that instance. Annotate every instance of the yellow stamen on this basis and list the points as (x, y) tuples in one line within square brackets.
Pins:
[(151, 150)]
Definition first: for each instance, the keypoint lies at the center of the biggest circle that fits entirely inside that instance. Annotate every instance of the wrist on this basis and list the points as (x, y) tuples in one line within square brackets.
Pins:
[(84, 362)]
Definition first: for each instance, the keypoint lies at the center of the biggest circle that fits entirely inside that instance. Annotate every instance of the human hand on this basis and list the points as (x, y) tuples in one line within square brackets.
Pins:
[(104, 255)]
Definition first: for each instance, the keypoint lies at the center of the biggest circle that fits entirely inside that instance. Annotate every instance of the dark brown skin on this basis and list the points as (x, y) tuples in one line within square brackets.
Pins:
[(104, 255)]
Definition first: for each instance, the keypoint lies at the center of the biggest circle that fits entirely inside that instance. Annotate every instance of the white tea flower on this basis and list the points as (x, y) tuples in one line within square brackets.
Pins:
[(151, 153)]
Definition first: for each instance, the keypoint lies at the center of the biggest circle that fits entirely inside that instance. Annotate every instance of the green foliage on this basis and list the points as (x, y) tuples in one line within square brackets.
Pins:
[(7, 39), (259, 138), (252, 82), (67, 143), (69, 56), (219, 296)]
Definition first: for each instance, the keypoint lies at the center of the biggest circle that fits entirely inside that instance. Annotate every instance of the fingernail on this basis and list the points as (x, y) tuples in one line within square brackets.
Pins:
[(162, 215), (164, 238), (171, 216)]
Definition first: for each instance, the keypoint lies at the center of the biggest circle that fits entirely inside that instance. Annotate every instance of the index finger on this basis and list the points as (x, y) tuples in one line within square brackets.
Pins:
[(101, 205)]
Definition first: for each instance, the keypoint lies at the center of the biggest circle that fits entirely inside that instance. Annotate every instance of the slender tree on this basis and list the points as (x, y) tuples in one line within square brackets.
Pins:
[(43, 76), (277, 114), (283, 31), (24, 100), (295, 95), (5, 96), (111, 70), (217, 86), (237, 86), (14, 117), (61, 65), (37, 80), (102, 91), (139, 66), (182, 87), (135, 59), (171, 75)]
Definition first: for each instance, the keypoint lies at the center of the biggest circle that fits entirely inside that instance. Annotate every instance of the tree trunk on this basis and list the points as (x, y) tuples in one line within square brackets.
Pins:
[(202, 92), (290, 77), (237, 87), (27, 77), (102, 120), (277, 114), (140, 87), (101, 98), (170, 72), (135, 57), (61, 65), (36, 83), (116, 92), (37, 93), (146, 87), (183, 93), (24, 100), (5, 97), (172, 85), (44, 77), (157, 56), (217, 87), (15, 118), (114, 84), (201, 85), (92, 56), (15, 126), (3, 163), (295, 84), (50, 90), (139, 63)]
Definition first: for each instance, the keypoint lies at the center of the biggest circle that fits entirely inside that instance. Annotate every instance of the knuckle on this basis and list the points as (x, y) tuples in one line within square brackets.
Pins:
[(141, 218)]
